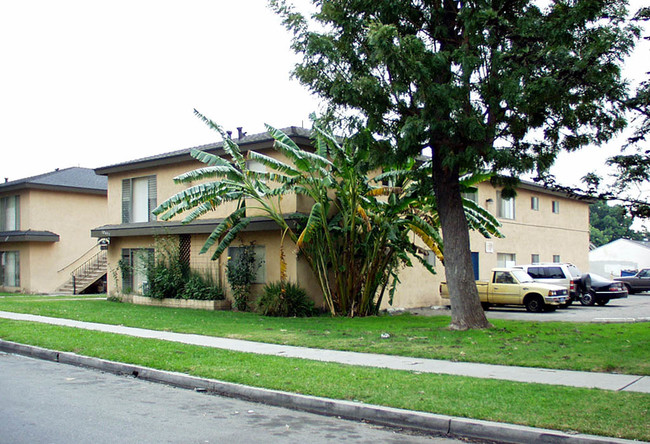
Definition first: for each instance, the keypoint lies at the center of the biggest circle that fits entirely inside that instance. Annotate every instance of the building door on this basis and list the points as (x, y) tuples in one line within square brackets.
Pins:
[(475, 264)]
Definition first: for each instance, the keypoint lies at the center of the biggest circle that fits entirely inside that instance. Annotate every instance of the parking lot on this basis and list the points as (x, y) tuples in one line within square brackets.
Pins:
[(635, 308)]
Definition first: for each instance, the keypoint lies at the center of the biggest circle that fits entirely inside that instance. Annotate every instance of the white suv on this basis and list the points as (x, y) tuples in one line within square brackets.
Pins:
[(566, 275)]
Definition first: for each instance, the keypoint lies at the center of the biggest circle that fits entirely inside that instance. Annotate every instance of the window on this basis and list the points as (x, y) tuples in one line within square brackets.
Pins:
[(556, 207), (534, 258), (471, 195), (556, 259), (260, 259), (10, 268), (506, 207), (534, 203), (430, 258), (138, 199), (10, 213), (134, 269), (506, 259), (503, 277)]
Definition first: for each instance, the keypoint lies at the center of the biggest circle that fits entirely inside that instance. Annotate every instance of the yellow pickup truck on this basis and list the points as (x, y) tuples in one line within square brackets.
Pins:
[(513, 286)]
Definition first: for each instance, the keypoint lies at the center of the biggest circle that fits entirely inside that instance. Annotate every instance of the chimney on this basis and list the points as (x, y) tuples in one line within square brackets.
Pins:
[(229, 134), (6, 179), (241, 134)]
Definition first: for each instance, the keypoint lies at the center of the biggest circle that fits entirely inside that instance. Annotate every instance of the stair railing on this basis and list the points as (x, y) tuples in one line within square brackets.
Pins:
[(84, 268)]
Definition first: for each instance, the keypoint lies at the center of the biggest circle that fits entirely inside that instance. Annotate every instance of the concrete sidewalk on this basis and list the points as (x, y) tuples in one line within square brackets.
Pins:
[(606, 381)]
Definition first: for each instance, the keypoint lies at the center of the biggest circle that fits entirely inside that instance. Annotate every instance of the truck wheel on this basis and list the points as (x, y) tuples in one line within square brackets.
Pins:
[(587, 299), (535, 304), (602, 301), (629, 289)]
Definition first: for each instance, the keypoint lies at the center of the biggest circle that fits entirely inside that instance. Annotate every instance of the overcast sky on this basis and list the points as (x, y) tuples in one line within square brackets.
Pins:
[(88, 83)]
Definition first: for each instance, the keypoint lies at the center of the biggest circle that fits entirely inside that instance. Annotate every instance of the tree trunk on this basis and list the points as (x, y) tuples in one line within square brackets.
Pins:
[(466, 310)]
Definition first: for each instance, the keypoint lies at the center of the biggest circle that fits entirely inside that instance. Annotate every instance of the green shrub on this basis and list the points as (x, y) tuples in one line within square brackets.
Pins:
[(202, 288), (285, 300), (167, 280), (241, 271)]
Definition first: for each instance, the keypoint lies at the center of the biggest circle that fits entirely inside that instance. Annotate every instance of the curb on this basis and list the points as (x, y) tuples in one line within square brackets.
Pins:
[(385, 416)]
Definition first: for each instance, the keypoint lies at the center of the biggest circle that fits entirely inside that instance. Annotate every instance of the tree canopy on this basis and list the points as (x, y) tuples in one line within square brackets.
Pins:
[(609, 223), (498, 84)]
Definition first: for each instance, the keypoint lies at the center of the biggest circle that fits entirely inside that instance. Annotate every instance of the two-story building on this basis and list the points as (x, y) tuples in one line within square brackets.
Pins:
[(539, 225), (45, 224)]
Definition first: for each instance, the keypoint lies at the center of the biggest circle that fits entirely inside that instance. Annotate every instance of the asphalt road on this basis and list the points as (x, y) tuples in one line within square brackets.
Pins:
[(633, 308), (46, 402)]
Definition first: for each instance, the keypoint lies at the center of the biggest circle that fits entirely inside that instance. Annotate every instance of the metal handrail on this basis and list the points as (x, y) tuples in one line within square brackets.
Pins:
[(88, 265)]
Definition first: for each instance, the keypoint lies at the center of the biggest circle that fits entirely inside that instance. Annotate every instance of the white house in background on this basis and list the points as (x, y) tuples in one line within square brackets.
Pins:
[(622, 254)]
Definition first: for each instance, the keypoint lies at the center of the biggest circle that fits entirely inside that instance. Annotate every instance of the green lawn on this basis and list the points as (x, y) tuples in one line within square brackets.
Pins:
[(621, 348), (607, 413)]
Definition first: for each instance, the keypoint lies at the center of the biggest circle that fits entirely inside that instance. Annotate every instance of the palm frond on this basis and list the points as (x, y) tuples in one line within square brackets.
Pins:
[(303, 160), (428, 234), (209, 172), (229, 146), (200, 191), (315, 220), (272, 163), (222, 228), (384, 191), (230, 237), (208, 159)]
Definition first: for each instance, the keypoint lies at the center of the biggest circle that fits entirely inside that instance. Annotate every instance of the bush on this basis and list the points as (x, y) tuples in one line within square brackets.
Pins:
[(167, 280), (202, 288), (285, 300), (240, 272)]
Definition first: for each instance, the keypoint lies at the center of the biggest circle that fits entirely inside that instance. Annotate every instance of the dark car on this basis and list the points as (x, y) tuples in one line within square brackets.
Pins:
[(602, 290), (637, 283)]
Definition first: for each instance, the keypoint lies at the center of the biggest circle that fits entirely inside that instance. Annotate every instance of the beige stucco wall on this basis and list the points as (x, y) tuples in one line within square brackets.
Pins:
[(531, 232), (166, 188), (297, 271), (539, 232), (45, 266)]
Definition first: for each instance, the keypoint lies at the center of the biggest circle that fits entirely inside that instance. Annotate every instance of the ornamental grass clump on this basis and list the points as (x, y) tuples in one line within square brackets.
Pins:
[(284, 299)]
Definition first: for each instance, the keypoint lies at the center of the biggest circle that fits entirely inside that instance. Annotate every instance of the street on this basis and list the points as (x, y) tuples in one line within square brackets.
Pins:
[(46, 402), (633, 308)]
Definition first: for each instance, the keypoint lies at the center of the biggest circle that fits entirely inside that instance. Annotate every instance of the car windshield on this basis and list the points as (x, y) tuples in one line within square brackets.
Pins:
[(522, 276)]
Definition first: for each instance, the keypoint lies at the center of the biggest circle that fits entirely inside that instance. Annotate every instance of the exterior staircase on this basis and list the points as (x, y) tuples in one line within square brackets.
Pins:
[(86, 274)]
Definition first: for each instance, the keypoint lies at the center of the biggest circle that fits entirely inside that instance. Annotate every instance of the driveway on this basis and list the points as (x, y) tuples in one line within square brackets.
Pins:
[(635, 308)]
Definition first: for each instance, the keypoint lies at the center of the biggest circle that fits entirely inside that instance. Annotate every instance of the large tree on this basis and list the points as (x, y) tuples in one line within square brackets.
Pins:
[(499, 84), (609, 223)]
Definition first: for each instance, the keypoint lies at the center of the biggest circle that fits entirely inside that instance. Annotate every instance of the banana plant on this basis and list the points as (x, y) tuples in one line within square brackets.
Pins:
[(358, 233)]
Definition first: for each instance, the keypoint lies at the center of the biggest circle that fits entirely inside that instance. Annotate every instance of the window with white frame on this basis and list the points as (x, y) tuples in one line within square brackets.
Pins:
[(556, 258), (10, 213), (506, 207), (534, 203), (139, 199), (10, 268), (506, 259), (556, 206), (534, 258), (260, 260)]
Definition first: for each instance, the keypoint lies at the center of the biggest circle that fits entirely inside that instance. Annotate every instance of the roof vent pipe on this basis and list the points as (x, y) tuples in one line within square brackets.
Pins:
[(229, 134), (241, 134)]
